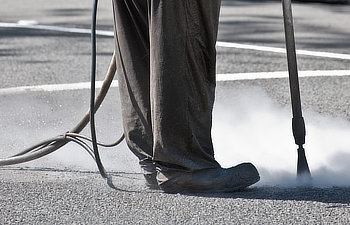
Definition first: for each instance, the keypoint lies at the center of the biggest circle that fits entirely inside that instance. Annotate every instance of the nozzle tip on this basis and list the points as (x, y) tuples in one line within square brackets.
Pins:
[(302, 167)]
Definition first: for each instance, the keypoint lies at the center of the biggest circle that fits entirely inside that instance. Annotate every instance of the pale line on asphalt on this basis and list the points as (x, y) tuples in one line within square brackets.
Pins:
[(283, 50), (220, 78), (219, 43), (280, 74), (53, 87), (56, 28)]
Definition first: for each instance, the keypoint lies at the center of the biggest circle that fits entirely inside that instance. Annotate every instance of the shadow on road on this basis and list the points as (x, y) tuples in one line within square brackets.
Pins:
[(335, 195), (340, 195)]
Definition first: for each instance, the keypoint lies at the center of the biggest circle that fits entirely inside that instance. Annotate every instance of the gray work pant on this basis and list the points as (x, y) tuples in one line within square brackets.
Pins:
[(166, 61)]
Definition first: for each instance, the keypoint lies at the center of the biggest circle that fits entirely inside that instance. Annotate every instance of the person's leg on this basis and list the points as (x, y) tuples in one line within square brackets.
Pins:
[(182, 58), (182, 37), (132, 55)]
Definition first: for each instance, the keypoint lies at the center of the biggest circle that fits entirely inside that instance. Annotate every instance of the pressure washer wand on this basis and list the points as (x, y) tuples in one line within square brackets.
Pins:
[(298, 124)]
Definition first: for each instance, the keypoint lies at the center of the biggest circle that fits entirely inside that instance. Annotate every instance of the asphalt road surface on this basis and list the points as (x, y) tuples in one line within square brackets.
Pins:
[(65, 187)]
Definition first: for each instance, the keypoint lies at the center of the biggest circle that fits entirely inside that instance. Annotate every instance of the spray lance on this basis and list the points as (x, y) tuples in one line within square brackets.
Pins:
[(52, 144), (298, 124)]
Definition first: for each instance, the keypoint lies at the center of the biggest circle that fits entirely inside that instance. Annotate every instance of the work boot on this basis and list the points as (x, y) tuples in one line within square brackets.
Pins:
[(212, 180), (150, 173)]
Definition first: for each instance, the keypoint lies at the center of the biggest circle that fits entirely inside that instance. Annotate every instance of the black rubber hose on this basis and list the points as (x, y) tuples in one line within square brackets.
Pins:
[(92, 92)]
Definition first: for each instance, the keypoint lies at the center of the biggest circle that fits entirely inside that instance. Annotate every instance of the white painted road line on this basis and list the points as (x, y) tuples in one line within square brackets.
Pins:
[(283, 50), (21, 24), (280, 74), (53, 87), (220, 78), (56, 28)]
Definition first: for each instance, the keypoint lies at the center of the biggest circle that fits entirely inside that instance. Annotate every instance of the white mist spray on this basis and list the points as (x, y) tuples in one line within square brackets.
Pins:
[(248, 126), (33, 117)]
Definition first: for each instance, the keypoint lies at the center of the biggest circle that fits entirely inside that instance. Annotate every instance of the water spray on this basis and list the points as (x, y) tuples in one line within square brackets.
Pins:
[(298, 124)]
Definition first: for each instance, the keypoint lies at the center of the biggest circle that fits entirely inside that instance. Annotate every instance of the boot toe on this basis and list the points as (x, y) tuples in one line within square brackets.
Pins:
[(209, 180)]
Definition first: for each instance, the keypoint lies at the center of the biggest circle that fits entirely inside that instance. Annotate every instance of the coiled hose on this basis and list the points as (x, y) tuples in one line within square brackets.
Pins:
[(50, 145)]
